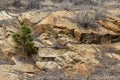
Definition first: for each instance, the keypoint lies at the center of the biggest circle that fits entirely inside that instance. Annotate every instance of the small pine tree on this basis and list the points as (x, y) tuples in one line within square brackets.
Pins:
[(24, 41)]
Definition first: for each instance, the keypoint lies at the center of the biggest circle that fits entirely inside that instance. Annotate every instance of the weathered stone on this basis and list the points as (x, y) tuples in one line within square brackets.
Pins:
[(47, 65), (89, 38), (111, 23), (21, 66), (113, 19), (114, 12), (57, 20), (58, 23), (47, 39), (9, 44), (68, 57), (77, 33), (42, 28), (32, 17), (4, 15), (82, 69), (113, 56), (47, 52), (38, 44), (67, 39), (6, 19), (3, 77)]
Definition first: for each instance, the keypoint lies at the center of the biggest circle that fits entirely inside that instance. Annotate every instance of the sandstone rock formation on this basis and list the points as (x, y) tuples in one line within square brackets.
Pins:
[(64, 43)]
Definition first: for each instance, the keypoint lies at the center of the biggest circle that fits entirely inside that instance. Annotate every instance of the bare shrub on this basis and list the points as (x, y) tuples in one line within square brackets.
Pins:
[(17, 3), (83, 19), (33, 4), (88, 2), (110, 67), (107, 48), (100, 14)]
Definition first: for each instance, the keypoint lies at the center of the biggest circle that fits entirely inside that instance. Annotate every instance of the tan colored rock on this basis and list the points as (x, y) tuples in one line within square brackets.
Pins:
[(48, 43), (47, 65), (111, 23), (82, 69), (113, 56), (89, 55), (9, 45), (89, 58), (113, 19), (69, 56), (4, 15), (65, 39), (77, 33), (116, 56), (44, 36), (62, 20), (2, 31), (7, 19), (47, 39), (47, 52), (42, 28), (32, 16), (3, 77), (116, 46), (21, 66), (11, 28), (7, 71), (57, 19), (114, 12), (81, 48), (110, 26)]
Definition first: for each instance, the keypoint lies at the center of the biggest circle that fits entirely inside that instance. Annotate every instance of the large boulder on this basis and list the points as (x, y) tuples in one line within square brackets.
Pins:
[(22, 66), (32, 17), (56, 21), (4, 16), (59, 18), (9, 45), (7, 19)]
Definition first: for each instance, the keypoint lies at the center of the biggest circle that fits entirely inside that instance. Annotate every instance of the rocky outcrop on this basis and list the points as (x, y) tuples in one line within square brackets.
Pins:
[(57, 30), (32, 17), (64, 43), (21, 66), (47, 65), (9, 24), (7, 19), (58, 23), (99, 39), (111, 24)]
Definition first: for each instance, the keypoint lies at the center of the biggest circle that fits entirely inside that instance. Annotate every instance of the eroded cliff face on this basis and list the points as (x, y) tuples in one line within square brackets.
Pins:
[(85, 31), (72, 44)]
